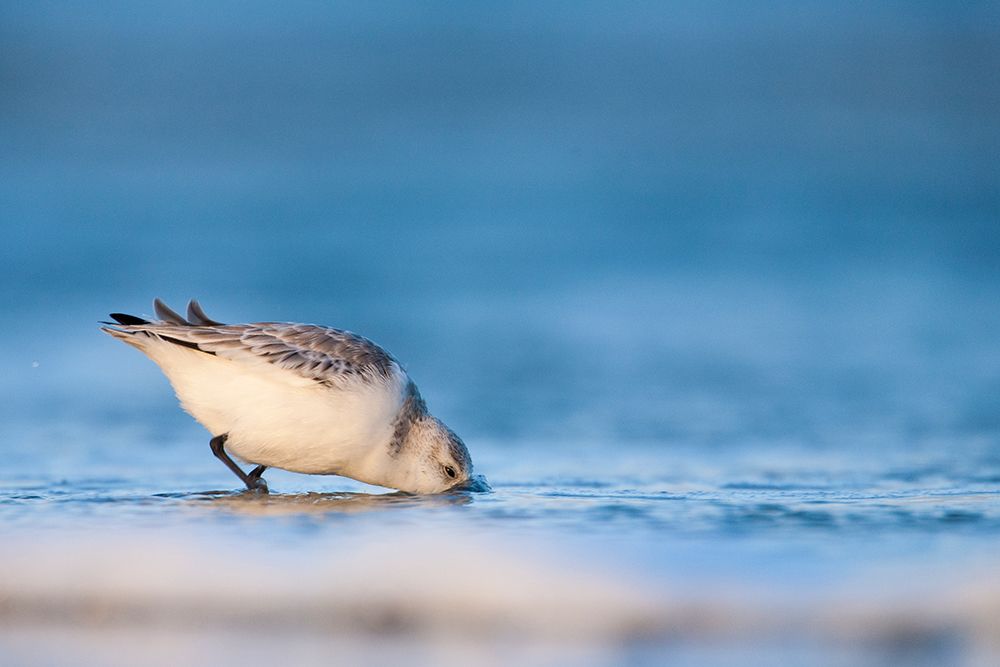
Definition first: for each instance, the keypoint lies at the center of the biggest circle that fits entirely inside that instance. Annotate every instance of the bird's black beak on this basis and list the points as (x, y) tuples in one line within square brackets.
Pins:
[(475, 484)]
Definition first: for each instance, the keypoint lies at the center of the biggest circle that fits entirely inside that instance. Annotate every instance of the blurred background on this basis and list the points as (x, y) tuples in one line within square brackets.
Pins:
[(697, 278)]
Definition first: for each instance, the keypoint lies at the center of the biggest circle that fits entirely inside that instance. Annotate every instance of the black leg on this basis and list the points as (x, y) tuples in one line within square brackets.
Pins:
[(253, 480)]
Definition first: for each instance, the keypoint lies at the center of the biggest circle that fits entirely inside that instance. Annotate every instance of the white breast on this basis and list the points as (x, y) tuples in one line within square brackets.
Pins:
[(277, 418)]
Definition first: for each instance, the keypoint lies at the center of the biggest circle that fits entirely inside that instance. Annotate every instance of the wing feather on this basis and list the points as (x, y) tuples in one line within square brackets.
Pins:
[(329, 356), (196, 315), (165, 313)]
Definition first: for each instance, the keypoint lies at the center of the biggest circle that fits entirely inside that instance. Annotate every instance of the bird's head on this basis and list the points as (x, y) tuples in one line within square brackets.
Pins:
[(431, 458)]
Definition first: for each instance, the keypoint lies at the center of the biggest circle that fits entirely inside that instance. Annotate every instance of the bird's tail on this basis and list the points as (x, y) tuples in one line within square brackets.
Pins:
[(126, 327)]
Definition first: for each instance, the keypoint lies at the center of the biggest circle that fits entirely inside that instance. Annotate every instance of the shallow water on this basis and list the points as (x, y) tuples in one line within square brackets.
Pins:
[(710, 293), (799, 556)]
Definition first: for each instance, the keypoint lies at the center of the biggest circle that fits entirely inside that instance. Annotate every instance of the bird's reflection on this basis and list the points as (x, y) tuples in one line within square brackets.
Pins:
[(281, 504), (247, 502)]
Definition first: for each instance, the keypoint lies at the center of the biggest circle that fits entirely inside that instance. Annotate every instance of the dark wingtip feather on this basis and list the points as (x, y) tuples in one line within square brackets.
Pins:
[(128, 320)]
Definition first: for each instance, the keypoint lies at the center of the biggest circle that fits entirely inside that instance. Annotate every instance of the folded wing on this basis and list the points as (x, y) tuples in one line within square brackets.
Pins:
[(329, 356)]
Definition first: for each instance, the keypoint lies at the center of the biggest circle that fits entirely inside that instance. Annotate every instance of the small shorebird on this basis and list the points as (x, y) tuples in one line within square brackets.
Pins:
[(300, 397)]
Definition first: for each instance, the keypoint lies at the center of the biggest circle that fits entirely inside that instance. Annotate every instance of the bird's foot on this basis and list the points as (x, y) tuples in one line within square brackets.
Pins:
[(255, 482), (258, 486)]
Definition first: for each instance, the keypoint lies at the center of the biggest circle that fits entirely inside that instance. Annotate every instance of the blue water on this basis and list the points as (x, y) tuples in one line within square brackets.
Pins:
[(710, 291)]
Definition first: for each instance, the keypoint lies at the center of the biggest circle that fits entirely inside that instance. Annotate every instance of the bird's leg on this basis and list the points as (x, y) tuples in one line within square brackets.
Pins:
[(255, 476), (253, 480), (258, 482)]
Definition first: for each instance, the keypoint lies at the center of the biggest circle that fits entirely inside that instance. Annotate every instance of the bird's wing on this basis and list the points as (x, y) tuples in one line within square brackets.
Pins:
[(326, 355)]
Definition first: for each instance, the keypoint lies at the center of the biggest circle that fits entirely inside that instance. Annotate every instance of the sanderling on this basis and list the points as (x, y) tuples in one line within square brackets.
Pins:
[(300, 397)]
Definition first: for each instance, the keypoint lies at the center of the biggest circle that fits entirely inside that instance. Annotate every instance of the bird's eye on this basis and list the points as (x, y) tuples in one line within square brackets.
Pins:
[(450, 471)]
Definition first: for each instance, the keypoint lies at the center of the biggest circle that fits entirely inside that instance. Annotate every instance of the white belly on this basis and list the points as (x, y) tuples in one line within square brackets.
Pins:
[(277, 418)]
